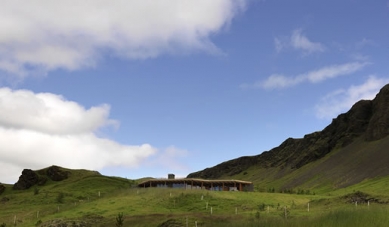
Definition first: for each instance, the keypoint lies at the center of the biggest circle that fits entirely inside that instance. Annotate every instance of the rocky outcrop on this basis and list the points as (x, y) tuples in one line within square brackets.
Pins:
[(56, 174), (86, 221), (367, 119), (4, 200), (2, 189), (379, 123), (26, 180)]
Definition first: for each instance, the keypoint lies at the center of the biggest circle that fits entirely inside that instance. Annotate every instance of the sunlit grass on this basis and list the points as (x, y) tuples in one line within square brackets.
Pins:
[(153, 206)]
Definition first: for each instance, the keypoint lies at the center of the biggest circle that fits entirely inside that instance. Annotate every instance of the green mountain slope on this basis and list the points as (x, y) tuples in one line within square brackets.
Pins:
[(354, 147)]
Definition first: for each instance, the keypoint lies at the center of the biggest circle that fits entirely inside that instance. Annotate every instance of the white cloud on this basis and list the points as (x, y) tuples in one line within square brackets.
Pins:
[(39, 130), (46, 35), (341, 100), (298, 41), (49, 113), (315, 76)]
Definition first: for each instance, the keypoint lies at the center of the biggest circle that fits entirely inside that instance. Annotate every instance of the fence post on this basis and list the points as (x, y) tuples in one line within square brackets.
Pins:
[(308, 207)]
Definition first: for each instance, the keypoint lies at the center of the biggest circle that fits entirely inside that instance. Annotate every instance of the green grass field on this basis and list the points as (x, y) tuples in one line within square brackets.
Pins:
[(92, 199)]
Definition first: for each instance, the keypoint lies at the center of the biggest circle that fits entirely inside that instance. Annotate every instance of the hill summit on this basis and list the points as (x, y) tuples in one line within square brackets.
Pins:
[(352, 148)]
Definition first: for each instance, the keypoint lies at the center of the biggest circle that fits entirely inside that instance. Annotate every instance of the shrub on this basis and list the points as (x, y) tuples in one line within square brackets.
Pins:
[(60, 197), (119, 220), (257, 215)]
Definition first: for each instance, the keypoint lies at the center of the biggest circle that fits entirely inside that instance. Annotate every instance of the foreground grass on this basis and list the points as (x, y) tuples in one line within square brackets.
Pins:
[(151, 207), (97, 200)]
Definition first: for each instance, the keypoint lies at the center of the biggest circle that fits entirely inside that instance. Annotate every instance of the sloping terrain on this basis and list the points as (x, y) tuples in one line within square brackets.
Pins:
[(88, 199), (354, 147), (44, 195)]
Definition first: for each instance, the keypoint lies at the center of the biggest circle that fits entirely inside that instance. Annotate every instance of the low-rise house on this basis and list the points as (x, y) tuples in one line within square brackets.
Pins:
[(194, 183)]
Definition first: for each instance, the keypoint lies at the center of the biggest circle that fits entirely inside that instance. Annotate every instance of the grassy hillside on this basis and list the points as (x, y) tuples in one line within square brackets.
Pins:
[(352, 149), (89, 199), (358, 162)]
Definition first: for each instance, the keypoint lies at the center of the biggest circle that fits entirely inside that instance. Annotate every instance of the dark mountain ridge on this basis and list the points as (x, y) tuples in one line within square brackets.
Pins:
[(367, 121)]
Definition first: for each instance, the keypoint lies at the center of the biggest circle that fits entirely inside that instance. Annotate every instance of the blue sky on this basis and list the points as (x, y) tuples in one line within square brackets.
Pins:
[(146, 88)]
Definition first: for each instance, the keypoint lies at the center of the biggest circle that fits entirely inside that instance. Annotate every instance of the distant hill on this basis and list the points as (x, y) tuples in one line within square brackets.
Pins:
[(354, 147), (60, 178)]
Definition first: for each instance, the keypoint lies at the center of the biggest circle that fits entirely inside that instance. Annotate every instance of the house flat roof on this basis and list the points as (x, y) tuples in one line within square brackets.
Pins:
[(192, 180)]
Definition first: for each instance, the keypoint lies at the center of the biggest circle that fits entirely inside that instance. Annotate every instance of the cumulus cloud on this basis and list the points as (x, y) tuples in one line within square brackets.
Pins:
[(298, 41), (42, 35), (42, 129), (49, 113), (341, 100), (315, 76)]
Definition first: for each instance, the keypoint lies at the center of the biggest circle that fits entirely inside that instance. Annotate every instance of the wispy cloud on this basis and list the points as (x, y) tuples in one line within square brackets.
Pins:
[(315, 76), (171, 159), (279, 44), (301, 42), (341, 100), (46, 35), (364, 42), (298, 41)]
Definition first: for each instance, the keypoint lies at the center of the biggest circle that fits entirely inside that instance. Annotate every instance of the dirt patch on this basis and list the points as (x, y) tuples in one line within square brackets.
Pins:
[(361, 197), (171, 223)]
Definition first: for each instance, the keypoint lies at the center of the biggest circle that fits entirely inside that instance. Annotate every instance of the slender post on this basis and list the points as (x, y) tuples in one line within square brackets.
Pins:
[(236, 210), (308, 207), (206, 205), (356, 203), (195, 223), (211, 210), (37, 214), (285, 212), (368, 204), (15, 220)]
